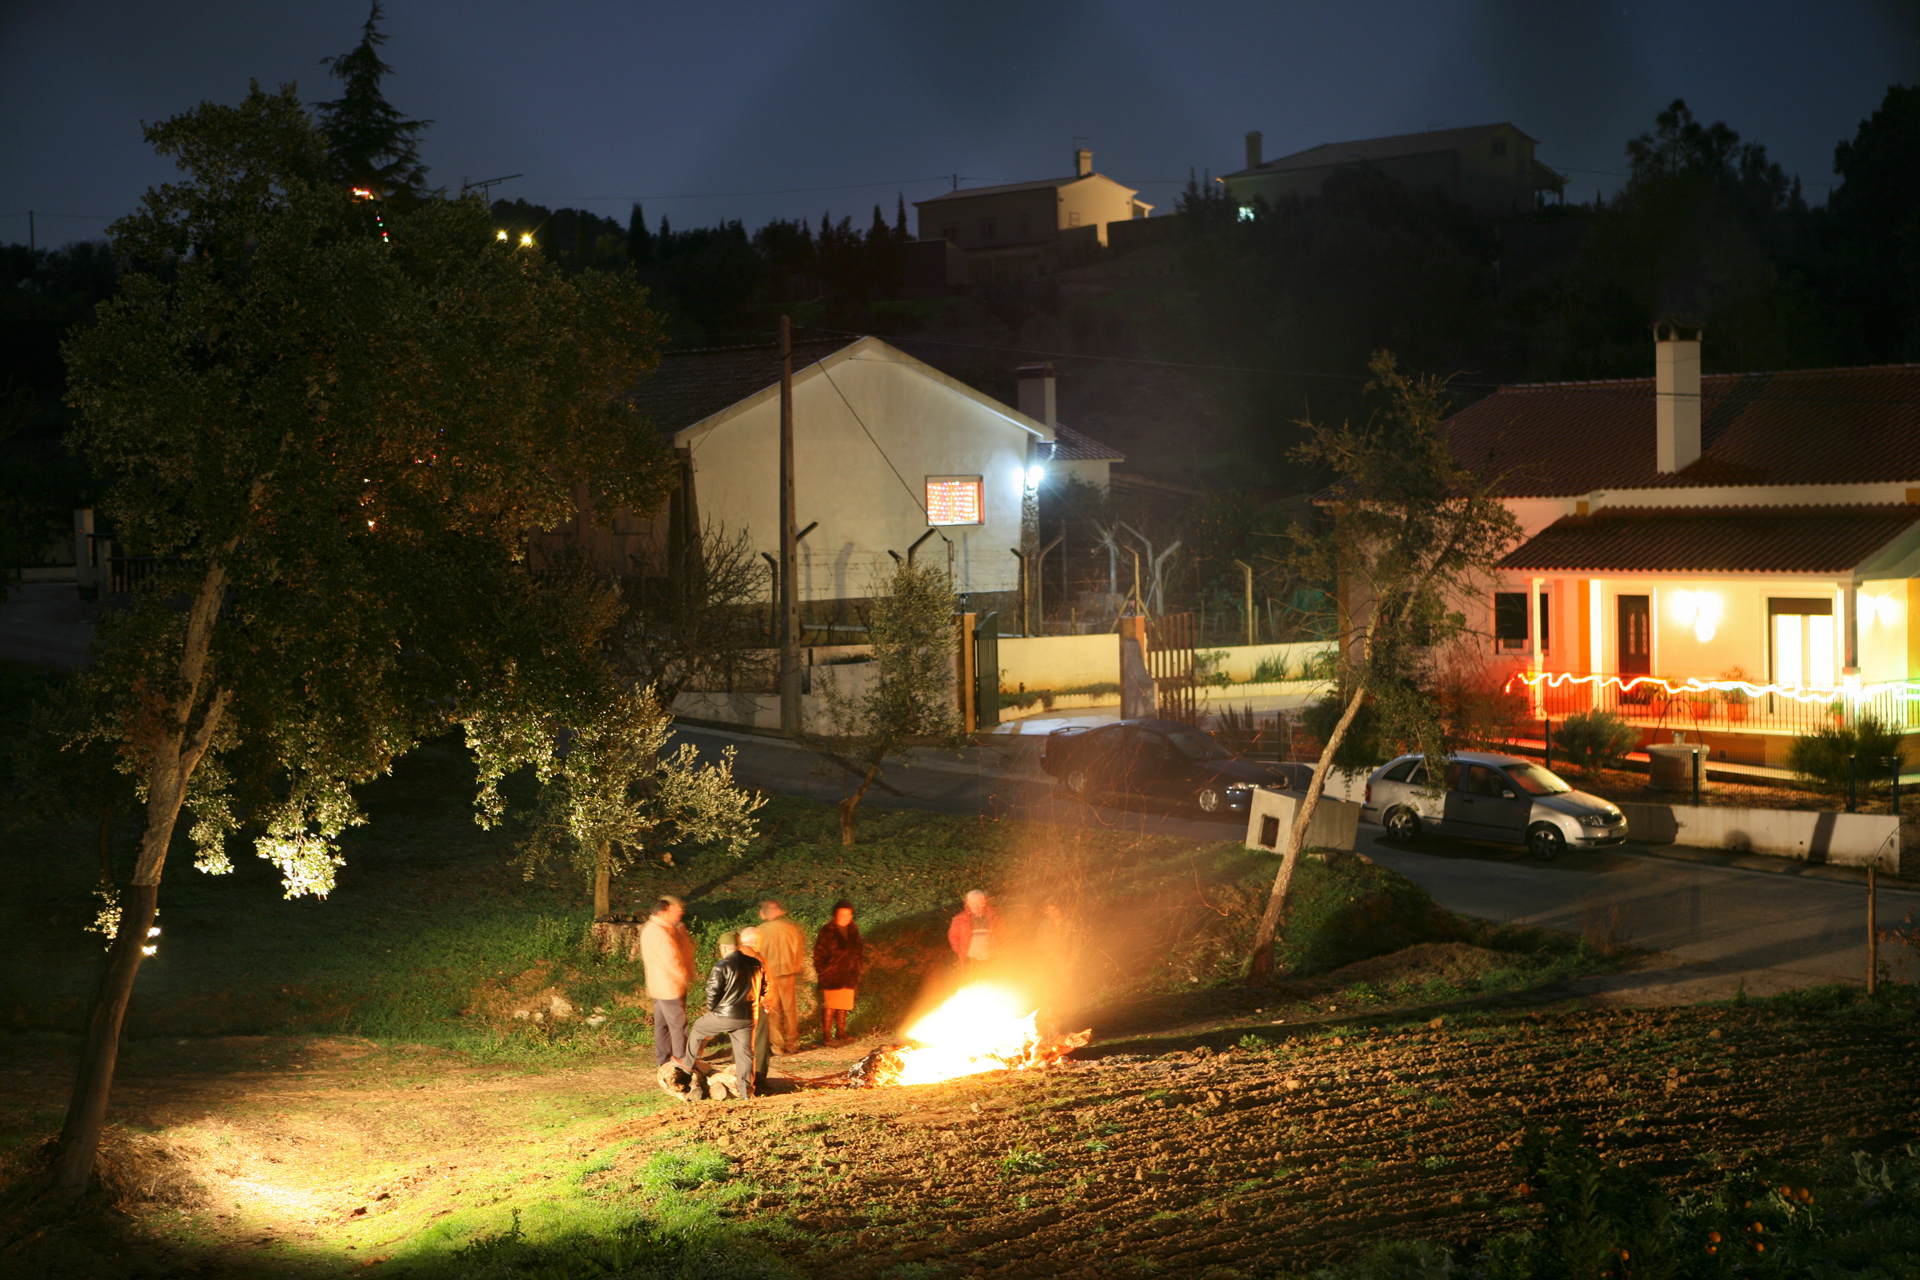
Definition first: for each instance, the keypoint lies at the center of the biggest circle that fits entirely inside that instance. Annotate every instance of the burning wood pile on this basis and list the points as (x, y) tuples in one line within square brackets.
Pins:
[(978, 1030)]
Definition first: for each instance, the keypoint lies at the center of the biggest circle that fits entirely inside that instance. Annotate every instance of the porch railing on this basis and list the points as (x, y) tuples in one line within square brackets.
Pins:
[(1669, 704)]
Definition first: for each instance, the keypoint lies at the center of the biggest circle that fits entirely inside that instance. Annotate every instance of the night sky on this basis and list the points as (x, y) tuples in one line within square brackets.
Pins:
[(704, 109)]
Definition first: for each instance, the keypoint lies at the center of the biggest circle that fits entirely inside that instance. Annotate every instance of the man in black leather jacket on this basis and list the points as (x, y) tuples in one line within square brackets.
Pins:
[(734, 988)]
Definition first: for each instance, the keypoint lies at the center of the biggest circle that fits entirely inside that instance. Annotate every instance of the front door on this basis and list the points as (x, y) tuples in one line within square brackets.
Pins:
[(1636, 635), (1803, 642)]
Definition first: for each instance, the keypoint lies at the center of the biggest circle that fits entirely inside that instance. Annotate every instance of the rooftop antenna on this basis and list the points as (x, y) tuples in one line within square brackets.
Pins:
[(485, 185)]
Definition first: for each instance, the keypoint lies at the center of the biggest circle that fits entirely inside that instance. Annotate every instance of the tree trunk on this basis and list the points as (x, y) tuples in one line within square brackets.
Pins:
[(1260, 962), (172, 762), (603, 881), (852, 802), (106, 844)]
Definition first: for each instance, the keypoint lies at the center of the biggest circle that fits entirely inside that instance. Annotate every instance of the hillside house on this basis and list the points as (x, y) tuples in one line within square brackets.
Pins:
[(1734, 557), (1018, 229), (1487, 167)]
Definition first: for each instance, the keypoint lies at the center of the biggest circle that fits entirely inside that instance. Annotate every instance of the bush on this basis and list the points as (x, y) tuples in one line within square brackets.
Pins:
[(1324, 665), (1270, 670), (1594, 739), (1820, 758)]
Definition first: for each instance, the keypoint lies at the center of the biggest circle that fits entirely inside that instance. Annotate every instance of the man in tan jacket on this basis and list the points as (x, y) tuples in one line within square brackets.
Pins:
[(666, 949), (783, 950)]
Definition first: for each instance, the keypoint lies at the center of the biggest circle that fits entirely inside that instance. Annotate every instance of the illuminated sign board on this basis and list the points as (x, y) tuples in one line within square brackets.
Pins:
[(955, 500)]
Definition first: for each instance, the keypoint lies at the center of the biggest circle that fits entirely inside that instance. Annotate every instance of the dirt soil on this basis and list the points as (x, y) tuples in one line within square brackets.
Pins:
[(245, 1156)]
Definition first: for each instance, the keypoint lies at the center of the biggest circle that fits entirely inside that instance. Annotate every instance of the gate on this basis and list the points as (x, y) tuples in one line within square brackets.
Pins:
[(1176, 676), (986, 670)]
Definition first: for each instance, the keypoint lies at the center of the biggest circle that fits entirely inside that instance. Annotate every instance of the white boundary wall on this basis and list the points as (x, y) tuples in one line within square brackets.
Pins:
[(1067, 662), (1842, 839)]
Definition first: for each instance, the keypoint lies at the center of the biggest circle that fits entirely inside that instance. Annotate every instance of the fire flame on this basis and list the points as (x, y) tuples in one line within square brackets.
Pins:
[(979, 1029)]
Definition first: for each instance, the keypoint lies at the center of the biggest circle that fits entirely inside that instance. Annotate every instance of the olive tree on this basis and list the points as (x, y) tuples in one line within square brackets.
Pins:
[(610, 787), (1409, 533), (910, 699), (332, 448)]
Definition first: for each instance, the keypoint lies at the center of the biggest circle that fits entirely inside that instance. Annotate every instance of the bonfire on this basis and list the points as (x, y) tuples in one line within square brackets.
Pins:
[(979, 1029)]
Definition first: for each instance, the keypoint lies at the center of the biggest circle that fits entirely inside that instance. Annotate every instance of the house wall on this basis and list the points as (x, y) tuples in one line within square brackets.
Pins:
[(866, 490), (1472, 175), (1018, 217)]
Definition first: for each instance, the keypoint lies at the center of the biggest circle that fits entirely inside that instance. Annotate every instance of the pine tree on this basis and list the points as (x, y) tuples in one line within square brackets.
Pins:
[(900, 218), (372, 145), (639, 240)]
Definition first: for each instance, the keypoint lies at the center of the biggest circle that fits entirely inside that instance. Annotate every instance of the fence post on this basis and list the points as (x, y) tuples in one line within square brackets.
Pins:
[(1547, 745), (1895, 761), (1853, 786), (1696, 776)]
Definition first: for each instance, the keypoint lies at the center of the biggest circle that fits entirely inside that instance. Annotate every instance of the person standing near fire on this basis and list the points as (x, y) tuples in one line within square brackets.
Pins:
[(783, 949), (975, 932), (837, 957), (734, 987), (666, 952)]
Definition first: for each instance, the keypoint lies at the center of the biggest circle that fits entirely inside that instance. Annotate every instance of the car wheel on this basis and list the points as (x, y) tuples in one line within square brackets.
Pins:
[(1403, 825), (1209, 800), (1078, 782), (1545, 842)]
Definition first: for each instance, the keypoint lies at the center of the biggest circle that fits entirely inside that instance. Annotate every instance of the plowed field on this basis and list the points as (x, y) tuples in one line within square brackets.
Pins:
[(1246, 1161)]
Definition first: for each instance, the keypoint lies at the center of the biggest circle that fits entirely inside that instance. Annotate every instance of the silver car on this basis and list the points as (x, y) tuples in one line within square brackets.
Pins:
[(1484, 796)]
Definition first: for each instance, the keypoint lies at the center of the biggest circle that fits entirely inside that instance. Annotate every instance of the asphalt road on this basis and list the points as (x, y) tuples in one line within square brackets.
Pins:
[(1720, 923)]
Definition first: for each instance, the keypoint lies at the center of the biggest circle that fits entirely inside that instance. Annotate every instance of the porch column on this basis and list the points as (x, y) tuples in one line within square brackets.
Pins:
[(1533, 632)]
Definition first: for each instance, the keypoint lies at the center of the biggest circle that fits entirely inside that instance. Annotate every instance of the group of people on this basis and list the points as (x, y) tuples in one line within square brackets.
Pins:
[(751, 995)]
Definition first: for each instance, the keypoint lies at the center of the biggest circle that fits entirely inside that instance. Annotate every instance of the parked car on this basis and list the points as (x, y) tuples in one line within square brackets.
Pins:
[(1159, 760), (1484, 796)]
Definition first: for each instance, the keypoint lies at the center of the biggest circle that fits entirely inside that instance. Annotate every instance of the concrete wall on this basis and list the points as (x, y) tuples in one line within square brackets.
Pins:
[(866, 490), (1066, 662), (1059, 662), (1842, 839), (1239, 661), (1335, 823), (762, 710)]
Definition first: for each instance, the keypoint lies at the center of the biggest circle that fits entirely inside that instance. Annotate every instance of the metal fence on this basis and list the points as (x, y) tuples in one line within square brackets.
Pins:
[(1654, 705)]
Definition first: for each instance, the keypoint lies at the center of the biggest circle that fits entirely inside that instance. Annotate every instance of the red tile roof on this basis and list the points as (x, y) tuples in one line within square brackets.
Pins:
[(1813, 426), (1714, 539)]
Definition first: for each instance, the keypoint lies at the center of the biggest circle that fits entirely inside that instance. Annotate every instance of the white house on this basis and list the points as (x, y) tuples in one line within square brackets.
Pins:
[(891, 457), (1734, 557)]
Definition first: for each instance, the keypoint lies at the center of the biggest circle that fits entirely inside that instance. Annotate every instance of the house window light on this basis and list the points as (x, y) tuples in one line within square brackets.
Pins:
[(955, 500), (1699, 610)]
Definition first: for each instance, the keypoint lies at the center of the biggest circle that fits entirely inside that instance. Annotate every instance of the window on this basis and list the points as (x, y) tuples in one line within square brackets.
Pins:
[(1499, 146), (987, 228), (950, 233), (1195, 745), (1482, 781), (1536, 781), (1510, 632), (1023, 226), (955, 500), (1400, 771), (1073, 218), (1803, 637)]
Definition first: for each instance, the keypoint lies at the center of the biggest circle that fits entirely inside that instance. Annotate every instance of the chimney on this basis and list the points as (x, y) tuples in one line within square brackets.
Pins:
[(1253, 149), (1082, 162), (1036, 392), (1676, 386)]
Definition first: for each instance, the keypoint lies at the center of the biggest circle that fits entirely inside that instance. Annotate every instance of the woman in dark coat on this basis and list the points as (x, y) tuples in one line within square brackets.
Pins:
[(837, 955)]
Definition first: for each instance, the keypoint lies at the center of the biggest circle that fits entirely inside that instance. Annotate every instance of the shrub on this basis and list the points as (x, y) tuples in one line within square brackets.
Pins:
[(1270, 670), (1820, 758), (1324, 665), (1363, 747), (1594, 739)]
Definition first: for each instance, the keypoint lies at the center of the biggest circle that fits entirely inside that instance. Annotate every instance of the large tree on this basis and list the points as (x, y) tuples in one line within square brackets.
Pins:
[(1410, 534), (332, 448)]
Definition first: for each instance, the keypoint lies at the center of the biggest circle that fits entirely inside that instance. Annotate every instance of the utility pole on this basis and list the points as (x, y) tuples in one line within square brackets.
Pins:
[(789, 548), (1247, 569), (31, 247)]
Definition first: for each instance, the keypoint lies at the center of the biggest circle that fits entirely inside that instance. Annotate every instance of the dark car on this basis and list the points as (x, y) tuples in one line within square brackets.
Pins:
[(1158, 760)]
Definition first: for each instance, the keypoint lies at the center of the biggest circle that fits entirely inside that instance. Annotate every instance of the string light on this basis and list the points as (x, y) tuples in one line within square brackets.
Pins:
[(361, 193), (1902, 690)]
